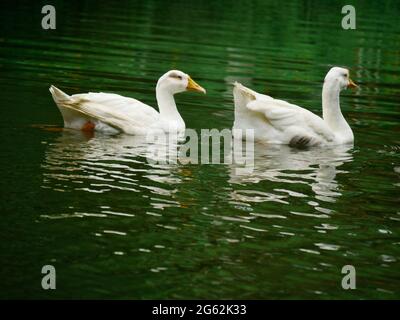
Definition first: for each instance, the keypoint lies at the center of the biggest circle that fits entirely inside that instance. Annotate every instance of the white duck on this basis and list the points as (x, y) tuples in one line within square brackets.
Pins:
[(112, 113), (279, 122)]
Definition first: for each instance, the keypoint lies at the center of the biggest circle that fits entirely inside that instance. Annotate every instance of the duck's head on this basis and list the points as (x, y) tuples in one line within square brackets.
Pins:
[(339, 77), (176, 81)]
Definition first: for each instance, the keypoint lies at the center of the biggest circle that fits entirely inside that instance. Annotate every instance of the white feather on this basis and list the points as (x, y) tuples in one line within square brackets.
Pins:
[(279, 122), (112, 113)]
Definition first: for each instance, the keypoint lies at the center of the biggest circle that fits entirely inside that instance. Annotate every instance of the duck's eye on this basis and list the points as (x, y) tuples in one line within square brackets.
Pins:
[(345, 75), (176, 76)]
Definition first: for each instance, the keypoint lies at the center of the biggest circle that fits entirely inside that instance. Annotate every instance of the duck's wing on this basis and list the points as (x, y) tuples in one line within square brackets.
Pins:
[(299, 126), (121, 113), (292, 124)]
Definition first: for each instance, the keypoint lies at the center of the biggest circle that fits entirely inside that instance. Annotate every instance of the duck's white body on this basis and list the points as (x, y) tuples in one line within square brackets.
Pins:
[(279, 122), (112, 113)]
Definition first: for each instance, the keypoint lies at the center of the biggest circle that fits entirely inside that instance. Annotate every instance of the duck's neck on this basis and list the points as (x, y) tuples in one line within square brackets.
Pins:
[(331, 109), (167, 106)]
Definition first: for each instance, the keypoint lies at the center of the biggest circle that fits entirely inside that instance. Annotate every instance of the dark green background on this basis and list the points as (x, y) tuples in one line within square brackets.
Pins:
[(198, 231)]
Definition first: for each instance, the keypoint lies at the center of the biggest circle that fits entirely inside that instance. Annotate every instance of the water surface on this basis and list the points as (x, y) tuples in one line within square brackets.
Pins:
[(118, 226)]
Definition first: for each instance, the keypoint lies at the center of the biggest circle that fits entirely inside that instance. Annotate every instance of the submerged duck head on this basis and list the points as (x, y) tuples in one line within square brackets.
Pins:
[(339, 77), (175, 81)]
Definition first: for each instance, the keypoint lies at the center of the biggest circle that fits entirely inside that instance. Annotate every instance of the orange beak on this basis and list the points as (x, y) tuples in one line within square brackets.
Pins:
[(193, 86), (351, 84)]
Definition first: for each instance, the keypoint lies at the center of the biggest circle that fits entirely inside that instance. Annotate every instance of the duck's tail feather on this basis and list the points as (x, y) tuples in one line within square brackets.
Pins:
[(58, 95), (244, 91), (242, 96), (73, 118)]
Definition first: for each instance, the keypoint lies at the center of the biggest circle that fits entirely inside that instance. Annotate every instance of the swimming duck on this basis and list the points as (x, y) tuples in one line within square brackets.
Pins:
[(279, 122), (112, 113)]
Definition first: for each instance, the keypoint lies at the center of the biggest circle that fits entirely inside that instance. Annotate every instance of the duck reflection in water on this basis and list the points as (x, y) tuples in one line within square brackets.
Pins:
[(101, 163), (315, 167), (132, 163)]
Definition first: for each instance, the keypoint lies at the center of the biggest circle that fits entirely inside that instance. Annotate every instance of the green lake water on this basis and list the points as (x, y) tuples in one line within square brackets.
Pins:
[(115, 225)]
